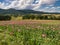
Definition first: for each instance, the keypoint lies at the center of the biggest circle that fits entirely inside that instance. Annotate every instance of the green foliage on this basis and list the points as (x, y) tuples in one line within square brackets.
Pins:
[(41, 34), (5, 18), (41, 17), (30, 16)]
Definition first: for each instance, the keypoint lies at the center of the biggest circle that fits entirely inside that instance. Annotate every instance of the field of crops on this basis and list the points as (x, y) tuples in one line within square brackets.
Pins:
[(30, 32)]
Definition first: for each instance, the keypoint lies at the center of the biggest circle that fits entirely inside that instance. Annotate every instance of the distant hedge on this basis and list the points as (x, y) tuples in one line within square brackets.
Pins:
[(5, 18), (41, 17)]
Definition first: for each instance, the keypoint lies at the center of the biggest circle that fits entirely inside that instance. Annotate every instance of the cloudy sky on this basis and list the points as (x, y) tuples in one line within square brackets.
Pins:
[(39, 5)]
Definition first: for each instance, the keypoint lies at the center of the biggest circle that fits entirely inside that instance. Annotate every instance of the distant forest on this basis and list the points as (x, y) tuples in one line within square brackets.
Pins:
[(27, 14)]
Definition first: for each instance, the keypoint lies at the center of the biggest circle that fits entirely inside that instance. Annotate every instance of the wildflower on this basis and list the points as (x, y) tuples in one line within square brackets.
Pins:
[(44, 35), (19, 30), (11, 33), (53, 28)]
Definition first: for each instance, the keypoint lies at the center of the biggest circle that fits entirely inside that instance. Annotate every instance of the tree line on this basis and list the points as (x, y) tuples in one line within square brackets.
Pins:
[(31, 16), (42, 17), (2, 18)]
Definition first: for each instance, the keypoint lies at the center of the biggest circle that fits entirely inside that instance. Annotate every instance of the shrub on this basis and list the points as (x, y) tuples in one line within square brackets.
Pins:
[(5, 18)]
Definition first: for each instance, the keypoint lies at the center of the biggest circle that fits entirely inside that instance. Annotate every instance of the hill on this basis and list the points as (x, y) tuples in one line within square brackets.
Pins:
[(13, 11), (22, 12)]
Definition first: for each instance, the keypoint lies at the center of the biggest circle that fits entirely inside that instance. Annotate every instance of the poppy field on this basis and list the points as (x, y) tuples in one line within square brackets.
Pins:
[(30, 32)]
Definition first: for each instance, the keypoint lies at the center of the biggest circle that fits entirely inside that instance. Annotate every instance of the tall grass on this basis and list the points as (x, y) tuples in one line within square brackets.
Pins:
[(42, 34)]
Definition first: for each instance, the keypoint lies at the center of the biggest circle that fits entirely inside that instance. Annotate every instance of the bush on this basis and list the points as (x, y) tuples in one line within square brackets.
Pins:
[(5, 18), (28, 17), (42, 17)]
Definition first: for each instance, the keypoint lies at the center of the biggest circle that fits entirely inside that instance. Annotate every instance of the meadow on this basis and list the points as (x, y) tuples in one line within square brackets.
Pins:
[(30, 32)]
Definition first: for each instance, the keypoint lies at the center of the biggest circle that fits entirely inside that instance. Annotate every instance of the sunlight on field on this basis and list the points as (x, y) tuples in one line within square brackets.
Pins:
[(16, 18)]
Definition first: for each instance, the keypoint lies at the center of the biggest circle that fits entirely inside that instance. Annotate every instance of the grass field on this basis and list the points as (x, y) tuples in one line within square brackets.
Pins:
[(30, 32)]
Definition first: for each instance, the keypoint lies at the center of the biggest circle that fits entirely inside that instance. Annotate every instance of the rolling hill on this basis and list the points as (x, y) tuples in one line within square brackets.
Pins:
[(22, 12)]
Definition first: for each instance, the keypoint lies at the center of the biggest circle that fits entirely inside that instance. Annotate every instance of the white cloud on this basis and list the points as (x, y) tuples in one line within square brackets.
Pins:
[(51, 9), (48, 1), (2, 5), (26, 4)]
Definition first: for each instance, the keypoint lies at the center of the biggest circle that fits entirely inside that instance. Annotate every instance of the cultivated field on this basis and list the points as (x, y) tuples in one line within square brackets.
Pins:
[(30, 32)]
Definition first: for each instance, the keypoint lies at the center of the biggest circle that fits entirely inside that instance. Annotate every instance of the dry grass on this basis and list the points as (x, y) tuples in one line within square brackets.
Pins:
[(53, 22)]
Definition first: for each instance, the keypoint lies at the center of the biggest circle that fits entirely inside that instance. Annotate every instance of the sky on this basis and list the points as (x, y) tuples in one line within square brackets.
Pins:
[(38, 5)]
